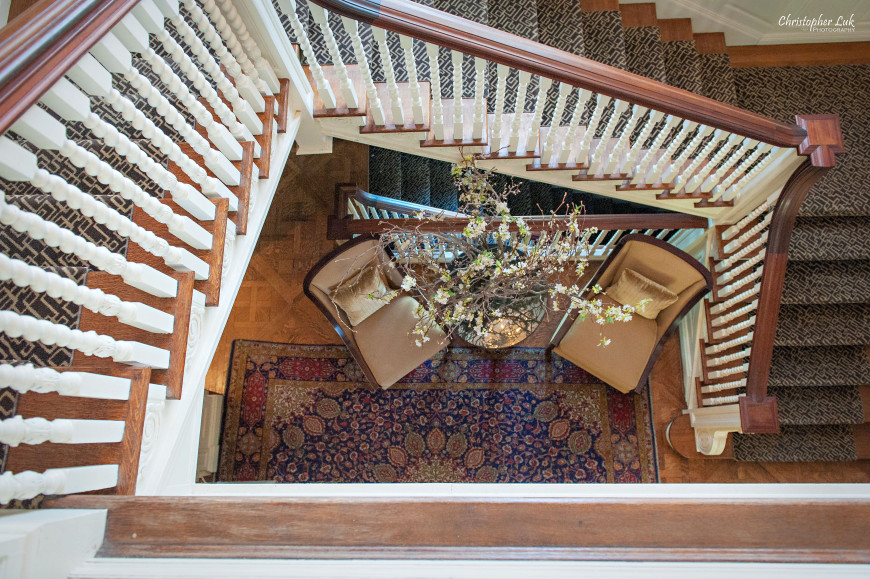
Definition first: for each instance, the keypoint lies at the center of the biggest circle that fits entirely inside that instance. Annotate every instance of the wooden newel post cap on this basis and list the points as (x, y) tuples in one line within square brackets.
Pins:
[(759, 417), (824, 138)]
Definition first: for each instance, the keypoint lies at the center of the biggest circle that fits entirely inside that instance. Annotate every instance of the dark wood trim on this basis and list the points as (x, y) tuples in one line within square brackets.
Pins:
[(399, 206), (536, 222), (689, 305), (628, 529), (283, 104), (339, 329), (267, 117), (824, 141), (710, 42), (637, 15), (676, 29), (817, 54), (455, 33), (37, 49)]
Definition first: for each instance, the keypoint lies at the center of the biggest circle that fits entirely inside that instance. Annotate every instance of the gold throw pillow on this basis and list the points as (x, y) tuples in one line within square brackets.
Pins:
[(631, 288), (352, 296)]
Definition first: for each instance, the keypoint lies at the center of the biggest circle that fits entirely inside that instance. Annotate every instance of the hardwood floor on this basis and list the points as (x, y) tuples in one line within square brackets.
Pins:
[(271, 307)]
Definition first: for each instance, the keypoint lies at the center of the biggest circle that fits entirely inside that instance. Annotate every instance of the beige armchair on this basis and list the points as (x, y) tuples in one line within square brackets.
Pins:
[(635, 345), (382, 343)]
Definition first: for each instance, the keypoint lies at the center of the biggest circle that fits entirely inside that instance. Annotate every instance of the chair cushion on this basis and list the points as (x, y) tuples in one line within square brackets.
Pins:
[(362, 295), (620, 364), (385, 341), (632, 288)]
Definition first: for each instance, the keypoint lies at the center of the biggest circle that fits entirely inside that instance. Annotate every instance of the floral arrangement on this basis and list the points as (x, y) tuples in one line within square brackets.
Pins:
[(492, 280)]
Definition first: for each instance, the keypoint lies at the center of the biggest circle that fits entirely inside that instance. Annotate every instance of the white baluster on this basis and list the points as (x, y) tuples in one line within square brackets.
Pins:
[(479, 100), (25, 378), (596, 157), (752, 247), (749, 218), (748, 234), (583, 97), (641, 169), (717, 176), (666, 159), (717, 374), (265, 70), (501, 72), (544, 85), (637, 113), (742, 282), (39, 280), (712, 362), (720, 320), (738, 171), (725, 332), (321, 16), (456, 58), (243, 93), (89, 343), (437, 120), (693, 145), (323, 88), (380, 36), (57, 481), (407, 44), (736, 189), (520, 105), (680, 180), (374, 101), (18, 430), (601, 103), (733, 273), (548, 152), (651, 122), (138, 275), (744, 339), (716, 401), (731, 302), (695, 182)]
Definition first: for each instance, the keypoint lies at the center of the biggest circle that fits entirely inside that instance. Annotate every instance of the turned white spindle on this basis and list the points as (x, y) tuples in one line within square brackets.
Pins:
[(641, 169), (323, 88), (372, 98), (751, 217), (596, 157), (321, 17), (18, 430), (732, 274), (748, 234), (695, 182), (210, 186), (407, 44), (740, 283), (713, 362), (57, 481), (733, 301), (637, 113), (601, 103), (724, 319), (531, 143), (685, 176), (437, 114), (703, 132), (479, 99), (651, 122), (746, 250), (715, 349), (718, 374), (380, 36), (737, 188), (25, 378), (725, 332), (567, 145), (135, 314), (738, 171), (456, 60), (89, 343), (723, 400), (520, 107), (250, 46), (501, 73), (138, 275), (666, 160), (719, 174), (548, 151), (241, 92)]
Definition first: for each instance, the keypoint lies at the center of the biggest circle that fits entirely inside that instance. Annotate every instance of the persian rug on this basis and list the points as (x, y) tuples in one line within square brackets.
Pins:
[(298, 413)]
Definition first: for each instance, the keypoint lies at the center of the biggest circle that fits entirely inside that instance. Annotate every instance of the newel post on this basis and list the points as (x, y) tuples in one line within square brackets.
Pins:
[(758, 411)]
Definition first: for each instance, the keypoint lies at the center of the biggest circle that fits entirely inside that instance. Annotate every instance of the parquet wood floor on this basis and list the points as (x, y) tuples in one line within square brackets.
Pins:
[(271, 307)]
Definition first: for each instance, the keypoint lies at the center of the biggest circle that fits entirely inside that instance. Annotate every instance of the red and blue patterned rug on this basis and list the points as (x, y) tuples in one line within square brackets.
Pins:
[(305, 414)]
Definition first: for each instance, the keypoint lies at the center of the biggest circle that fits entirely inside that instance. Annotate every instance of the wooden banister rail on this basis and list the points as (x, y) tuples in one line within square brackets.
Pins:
[(399, 206), (758, 411), (456, 33), (39, 46)]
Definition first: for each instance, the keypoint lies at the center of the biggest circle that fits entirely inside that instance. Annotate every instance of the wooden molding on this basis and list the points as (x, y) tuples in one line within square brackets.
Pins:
[(283, 105), (824, 139), (637, 15), (666, 529), (599, 5), (710, 43), (455, 33), (674, 29), (267, 117), (817, 54), (759, 417), (681, 438)]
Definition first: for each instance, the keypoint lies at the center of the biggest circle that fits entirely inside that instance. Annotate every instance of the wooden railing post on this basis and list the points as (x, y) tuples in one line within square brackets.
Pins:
[(758, 411)]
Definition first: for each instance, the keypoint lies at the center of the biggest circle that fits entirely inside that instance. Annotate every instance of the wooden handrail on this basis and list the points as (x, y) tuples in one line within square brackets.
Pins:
[(456, 33), (39, 46), (399, 206), (758, 411)]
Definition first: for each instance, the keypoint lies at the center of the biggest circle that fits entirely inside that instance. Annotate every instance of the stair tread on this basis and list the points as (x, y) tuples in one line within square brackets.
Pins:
[(820, 366), (823, 325), (830, 238), (810, 443), (817, 282), (807, 406)]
